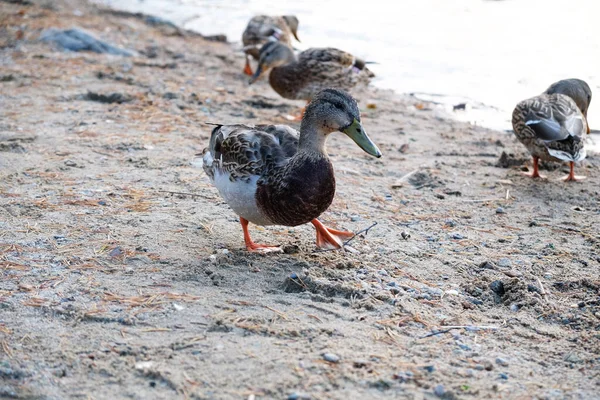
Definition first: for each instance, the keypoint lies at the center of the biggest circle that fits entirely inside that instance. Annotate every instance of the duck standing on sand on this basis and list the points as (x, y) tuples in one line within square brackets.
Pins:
[(302, 77), (270, 175), (553, 125), (263, 28)]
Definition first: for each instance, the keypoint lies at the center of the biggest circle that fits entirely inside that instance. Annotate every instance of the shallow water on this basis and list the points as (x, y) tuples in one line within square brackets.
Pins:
[(488, 54)]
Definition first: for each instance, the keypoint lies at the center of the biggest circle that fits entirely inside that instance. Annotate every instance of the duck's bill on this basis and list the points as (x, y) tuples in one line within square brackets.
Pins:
[(357, 133), (257, 74), (296, 36)]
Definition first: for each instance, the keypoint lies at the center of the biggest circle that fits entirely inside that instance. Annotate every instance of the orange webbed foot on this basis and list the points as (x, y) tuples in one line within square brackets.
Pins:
[(328, 238)]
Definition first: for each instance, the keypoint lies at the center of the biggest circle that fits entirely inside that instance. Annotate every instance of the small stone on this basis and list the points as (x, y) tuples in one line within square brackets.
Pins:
[(213, 258), (457, 236), (515, 308), (355, 218), (486, 265), (225, 251), (178, 307), (500, 210), (503, 376), (439, 390), (504, 263), (452, 292), (498, 288), (360, 364), (573, 358), (502, 362), (116, 252), (429, 368), (405, 235), (142, 365), (298, 396), (70, 163), (450, 222), (332, 358), (488, 366)]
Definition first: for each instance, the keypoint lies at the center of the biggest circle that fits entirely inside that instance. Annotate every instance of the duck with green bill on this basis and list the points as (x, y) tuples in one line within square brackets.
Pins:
[(271, 175)]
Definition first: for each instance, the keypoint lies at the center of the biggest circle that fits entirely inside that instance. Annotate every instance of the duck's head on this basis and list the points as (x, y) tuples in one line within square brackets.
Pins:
[(576, 89), (272, 54), (292, 22), (334, 110)]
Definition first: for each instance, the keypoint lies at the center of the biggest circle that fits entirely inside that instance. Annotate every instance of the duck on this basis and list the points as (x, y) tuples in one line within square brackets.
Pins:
[(302, 77), (263, 28), (274, 175), (552, 126)]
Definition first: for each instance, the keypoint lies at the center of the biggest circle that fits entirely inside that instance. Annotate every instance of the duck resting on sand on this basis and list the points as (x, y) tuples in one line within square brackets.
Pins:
[(270, 175), (302, 77), (553, 125), (263, 28)]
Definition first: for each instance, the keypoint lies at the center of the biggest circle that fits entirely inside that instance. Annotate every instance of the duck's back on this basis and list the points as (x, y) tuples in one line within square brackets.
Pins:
[(551, 127), (261, 27), (317, 69)]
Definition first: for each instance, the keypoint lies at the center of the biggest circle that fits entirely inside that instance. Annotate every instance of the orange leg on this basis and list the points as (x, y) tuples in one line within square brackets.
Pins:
[(572, 176), (330, 238), (247, 68), (536, 172), (254, 247)]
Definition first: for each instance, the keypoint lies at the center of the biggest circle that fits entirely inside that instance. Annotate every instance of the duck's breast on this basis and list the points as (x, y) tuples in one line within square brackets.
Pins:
[(240, 195)]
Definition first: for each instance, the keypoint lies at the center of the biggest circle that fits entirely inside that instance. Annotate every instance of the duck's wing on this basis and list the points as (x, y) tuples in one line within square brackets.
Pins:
[(243, 151), (263, 27), (554, 118), (554, 122)]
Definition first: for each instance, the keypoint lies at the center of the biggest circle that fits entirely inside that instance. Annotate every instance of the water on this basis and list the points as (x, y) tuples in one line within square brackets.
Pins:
[(489, 54)]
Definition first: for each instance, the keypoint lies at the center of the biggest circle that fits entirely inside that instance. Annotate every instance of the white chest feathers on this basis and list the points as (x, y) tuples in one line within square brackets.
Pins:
[(240, 195)]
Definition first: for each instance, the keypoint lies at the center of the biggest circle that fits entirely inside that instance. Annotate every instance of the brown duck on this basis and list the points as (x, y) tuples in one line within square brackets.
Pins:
[(553, 125), (302, 77), (263, 28), (270, 175)]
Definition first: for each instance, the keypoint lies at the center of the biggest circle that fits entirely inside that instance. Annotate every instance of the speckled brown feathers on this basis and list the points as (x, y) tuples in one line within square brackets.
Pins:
[(314, 70), (551, 126), (262, 28), (243, 151)]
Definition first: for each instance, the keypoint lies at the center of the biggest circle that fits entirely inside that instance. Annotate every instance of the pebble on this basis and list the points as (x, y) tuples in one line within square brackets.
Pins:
[(403, 376), (225, 251), (450, 222), (70, 163), (355, 218), (457, 236), (434, 291), (429, 368), (498, 288), (405, 235), (178, 307), (332, 358), (500, 210), (439, 390), (452, 292), (502, 362), (213, 258), (514, 308), (298, 396), (503, 376), (76, 39), (504, 263)]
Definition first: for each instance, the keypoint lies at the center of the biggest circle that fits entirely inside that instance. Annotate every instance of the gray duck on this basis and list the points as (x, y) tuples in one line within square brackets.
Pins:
[(263, 28), (271, 175), (552, 126)]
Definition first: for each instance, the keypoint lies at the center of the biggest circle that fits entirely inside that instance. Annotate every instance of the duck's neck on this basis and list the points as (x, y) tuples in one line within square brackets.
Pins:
[(312, 136)]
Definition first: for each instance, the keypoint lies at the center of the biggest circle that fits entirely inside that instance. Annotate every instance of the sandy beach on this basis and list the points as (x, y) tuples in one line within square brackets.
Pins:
[(124, 274)]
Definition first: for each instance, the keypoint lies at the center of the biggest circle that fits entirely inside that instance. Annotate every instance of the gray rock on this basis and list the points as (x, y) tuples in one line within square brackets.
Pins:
[(76, 39), (504, 263), (500, 210), (439, 390), (502, 362), (332, 358)]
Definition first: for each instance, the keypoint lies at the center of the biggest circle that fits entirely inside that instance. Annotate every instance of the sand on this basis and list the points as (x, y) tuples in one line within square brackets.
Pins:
[(124, 274)]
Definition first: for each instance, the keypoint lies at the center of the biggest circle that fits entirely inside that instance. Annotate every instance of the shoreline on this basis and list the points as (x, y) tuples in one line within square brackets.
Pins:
[(124, 274)]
